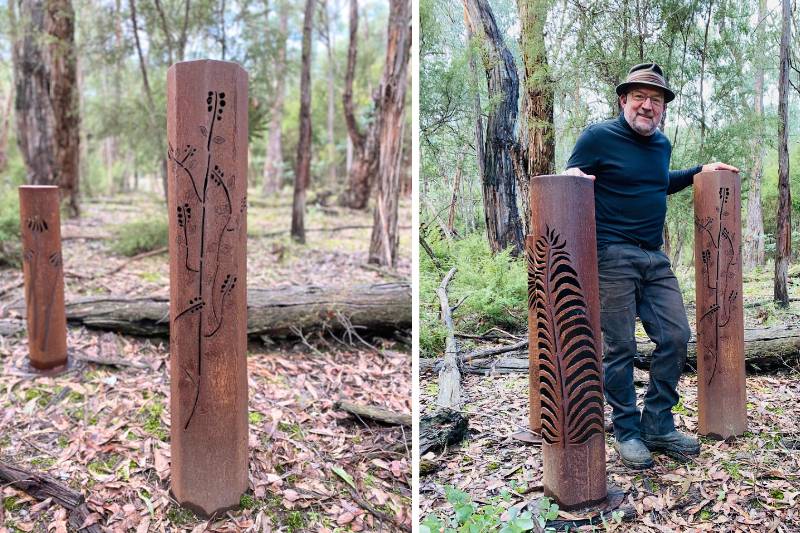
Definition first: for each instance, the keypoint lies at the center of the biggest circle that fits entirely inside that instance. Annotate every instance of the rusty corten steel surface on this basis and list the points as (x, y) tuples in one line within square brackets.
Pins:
[(721, 388), (534, 413), (207, 188), (566, 340), (40, 224)]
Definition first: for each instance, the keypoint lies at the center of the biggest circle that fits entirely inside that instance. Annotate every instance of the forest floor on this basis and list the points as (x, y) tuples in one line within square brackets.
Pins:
[(751, 483), (104, 430)]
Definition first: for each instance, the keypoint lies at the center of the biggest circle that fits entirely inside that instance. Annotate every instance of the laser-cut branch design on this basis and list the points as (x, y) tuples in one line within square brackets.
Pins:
[(719, 258), (213, 208), (569, 370)]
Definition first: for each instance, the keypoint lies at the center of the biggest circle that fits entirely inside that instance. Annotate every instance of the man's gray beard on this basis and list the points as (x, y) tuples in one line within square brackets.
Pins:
[(639, 130)]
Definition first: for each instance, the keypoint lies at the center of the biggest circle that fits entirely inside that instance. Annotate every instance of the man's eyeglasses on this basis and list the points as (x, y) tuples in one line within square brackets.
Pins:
[(640, 98)]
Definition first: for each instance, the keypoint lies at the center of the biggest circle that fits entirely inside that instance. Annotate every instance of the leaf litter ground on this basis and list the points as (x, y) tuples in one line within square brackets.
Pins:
[(104, 430), (749, 484)]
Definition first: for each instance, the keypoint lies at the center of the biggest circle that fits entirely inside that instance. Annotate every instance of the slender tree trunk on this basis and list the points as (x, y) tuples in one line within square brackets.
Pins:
[(366, 147), (149, 95), (783, 240), (331, 102), (5, 126), (47, 108), (753, 252), (392, 98), (537, 133), (703, 53), (184, 31), (503, 224), (273, 163), (451, 215), (303, 167)]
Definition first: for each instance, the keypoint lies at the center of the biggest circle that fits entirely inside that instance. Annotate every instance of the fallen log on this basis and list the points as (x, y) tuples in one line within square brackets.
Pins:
[(444, 428), (42, 486), (377, 414), (765, 349), (376, 308), (449, 374)]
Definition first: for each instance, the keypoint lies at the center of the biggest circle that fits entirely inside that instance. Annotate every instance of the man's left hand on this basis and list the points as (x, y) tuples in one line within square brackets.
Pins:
[(719, 166)]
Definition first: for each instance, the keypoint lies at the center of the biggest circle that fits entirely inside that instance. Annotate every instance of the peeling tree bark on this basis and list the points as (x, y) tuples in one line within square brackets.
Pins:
[(273, 163), (783, 233), (753, 249), (47, 109), (303, 167), (364, 165), (538, 147), (391, 103), (503, 224)]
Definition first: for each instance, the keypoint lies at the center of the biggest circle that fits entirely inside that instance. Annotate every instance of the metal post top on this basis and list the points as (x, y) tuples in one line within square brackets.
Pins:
[(717, 173), (208, 62)]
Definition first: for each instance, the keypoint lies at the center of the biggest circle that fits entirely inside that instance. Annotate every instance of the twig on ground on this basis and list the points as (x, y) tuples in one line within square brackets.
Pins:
[(12, 286), (383, 271), (378, 414), (383, 517)]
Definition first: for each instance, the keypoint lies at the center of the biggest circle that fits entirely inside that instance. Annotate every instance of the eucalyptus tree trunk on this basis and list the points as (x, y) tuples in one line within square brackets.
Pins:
[(783, 244), (273, 162), (47, 108), (503, 224), (331, 97), (366, 145), (303, 168), (391, 97), (5, 125), (537, 132), (753, 246)]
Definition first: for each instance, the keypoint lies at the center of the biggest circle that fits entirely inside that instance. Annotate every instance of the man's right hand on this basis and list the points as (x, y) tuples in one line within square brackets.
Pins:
[(575, 171)]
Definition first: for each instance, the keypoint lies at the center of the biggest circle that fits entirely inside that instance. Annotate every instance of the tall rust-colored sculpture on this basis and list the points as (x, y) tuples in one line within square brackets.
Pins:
[(40, 223), (534, 414), (566, 336), (721, 389), (207, 187)]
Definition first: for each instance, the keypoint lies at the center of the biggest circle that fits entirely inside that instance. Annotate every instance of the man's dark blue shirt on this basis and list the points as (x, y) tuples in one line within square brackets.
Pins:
[(632, 181)]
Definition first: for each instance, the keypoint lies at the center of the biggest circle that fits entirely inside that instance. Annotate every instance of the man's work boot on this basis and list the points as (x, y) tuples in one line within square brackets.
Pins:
[(634, 454), (674, 444)]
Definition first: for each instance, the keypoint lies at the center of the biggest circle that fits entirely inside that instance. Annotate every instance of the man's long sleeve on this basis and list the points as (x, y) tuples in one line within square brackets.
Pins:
[(680, 179)]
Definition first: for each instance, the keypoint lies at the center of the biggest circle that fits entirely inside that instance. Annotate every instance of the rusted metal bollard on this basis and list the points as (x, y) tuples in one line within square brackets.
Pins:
[(721, 388), (565, 337), (207, 187), (40, 223), (534, 413)]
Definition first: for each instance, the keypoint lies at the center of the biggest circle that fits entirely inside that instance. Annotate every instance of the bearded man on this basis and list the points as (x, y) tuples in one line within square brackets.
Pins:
[(628, 159)]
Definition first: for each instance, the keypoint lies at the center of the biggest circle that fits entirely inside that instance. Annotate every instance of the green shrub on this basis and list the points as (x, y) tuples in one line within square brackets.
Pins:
[(10, 246), (140, 236), (467, 517), (495, 289)]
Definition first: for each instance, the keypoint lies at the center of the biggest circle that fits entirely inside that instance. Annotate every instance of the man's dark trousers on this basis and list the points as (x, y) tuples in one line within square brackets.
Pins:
[(635, 280)]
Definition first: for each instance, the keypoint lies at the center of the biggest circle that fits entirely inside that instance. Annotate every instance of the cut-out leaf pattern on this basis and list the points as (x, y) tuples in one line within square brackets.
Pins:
[(569, 368), (218, 140)]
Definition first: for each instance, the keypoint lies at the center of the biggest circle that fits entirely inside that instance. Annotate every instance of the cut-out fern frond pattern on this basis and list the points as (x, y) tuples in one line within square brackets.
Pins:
[(571, 391)]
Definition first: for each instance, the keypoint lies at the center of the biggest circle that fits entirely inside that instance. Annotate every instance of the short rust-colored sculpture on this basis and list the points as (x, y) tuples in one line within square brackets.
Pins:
[(40, 223), (207, 187), (566, 336), (721, 389)]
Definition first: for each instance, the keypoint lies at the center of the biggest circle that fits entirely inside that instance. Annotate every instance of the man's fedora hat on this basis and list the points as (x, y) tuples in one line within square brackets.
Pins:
[(648, 74)]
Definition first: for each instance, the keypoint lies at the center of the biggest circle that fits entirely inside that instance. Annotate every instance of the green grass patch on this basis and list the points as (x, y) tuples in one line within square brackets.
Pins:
[(10, 246), (255, 417), (140, 236), (179, 516), (152, 411)]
